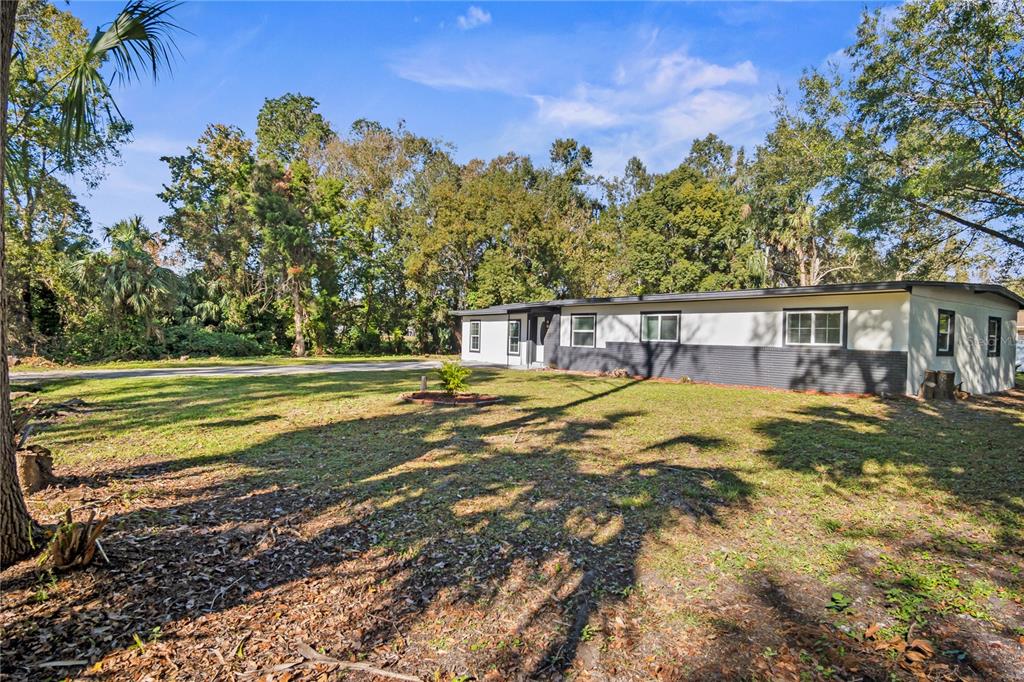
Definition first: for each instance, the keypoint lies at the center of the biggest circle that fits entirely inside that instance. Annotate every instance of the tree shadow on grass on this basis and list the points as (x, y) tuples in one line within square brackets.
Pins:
[(141, 405), (451, 516), (455, 540), (946, 565), (973, 453)]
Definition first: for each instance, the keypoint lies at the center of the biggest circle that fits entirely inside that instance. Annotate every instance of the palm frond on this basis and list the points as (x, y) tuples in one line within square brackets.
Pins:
[(140, 37), (141, 34), (14, 169)]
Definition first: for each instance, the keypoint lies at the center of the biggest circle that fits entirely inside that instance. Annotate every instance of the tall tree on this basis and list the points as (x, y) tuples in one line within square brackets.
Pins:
[(445, 238), (45, 217), (688, 233), (288, 248), (382, 169), (938, 102), (290, 133), (139, 37), (713, 158), (208, 197), (287, 123), (562, 249), (607, 243), (802, 226), (816, 217), (16, 526)]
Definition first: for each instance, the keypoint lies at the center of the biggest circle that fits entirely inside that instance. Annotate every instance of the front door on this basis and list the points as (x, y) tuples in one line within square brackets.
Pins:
[(542, 329)]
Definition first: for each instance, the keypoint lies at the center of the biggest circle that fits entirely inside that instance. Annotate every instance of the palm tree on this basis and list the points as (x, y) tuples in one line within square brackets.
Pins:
[(130, 278), (139, 38)]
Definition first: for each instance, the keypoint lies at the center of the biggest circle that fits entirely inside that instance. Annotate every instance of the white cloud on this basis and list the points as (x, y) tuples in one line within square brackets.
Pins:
[(642, 97), (473, 18), (583, 108), (433, 67), (644, 90), (652, 107)]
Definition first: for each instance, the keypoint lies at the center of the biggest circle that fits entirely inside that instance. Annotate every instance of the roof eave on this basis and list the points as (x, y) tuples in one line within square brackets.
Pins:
[(780, 292)]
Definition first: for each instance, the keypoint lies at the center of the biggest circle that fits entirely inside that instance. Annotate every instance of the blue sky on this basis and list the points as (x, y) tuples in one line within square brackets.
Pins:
[(626, 79)]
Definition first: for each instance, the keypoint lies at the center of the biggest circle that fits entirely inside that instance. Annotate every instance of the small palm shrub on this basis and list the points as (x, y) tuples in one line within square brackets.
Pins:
[(453, 377)]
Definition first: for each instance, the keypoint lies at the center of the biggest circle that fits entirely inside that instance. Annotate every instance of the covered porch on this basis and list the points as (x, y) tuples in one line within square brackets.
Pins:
[(540, 335)]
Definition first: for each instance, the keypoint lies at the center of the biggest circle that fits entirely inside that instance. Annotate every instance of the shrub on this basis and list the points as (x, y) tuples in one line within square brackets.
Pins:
[(453, 377), (96, 337), (191, 340)]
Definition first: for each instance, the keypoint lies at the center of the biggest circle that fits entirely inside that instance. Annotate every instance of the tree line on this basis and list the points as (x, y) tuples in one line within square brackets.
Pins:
[(905, 162)]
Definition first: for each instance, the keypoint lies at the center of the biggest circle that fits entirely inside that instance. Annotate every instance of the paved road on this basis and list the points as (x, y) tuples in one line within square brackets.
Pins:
[(226, 370)]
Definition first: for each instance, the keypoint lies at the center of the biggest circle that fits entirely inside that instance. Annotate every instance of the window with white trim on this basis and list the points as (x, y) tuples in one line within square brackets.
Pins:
[(514, 329), (474, 336), (814, 327), (945, 334), (659, 327), (995, 327), (584, 330)]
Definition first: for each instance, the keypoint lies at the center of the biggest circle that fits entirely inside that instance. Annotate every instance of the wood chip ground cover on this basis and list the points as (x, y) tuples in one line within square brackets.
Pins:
[(585, 528)]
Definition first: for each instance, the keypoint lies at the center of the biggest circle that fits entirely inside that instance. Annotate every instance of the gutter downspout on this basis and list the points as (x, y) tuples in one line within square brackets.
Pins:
[(508, 319)]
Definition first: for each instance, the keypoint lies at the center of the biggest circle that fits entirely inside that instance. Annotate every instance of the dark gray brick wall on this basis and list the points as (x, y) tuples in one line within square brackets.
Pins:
[(553, 340), (833, 370)]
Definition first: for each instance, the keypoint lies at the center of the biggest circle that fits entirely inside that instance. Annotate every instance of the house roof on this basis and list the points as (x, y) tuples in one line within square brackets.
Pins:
[(782, 292)]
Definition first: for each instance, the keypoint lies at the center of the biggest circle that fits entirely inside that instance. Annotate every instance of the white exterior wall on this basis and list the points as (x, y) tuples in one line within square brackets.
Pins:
[(978, 372), (890, 321), (876, 321), (494, 340)]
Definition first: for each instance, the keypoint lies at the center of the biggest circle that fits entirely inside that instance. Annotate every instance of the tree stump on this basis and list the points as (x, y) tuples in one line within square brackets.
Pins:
[(74, 544), (944, 386), (927, 390), (35, 468)]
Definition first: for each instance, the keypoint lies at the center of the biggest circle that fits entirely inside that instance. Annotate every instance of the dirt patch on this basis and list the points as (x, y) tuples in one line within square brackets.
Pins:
[(30, 361), (444, 399)]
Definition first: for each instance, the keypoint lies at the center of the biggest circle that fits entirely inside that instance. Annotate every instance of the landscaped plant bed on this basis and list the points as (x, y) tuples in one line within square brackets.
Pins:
[(442, 398)]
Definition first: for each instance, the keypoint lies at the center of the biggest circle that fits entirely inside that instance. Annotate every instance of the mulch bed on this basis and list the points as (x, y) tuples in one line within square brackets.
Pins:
[(444, 399)]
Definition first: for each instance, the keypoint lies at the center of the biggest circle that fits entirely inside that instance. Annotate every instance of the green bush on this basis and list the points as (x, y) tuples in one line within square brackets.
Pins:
[(453, 377), (96, 337), (190, 340)]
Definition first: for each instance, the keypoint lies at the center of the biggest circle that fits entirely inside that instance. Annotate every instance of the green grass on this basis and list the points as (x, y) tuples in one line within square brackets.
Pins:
[(216, 361), (670, 503)]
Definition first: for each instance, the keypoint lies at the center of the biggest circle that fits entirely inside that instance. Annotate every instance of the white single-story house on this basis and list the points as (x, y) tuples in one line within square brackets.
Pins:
[(873, 337)]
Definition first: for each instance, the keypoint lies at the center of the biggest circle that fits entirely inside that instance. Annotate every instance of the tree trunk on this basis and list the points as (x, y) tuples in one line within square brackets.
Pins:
[(27, 334), (299, 318), (16, 526), (802, 265)]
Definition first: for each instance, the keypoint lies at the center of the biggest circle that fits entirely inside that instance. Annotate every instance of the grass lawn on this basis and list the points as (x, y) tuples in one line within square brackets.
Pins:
[(217, 361), (590, 528)]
